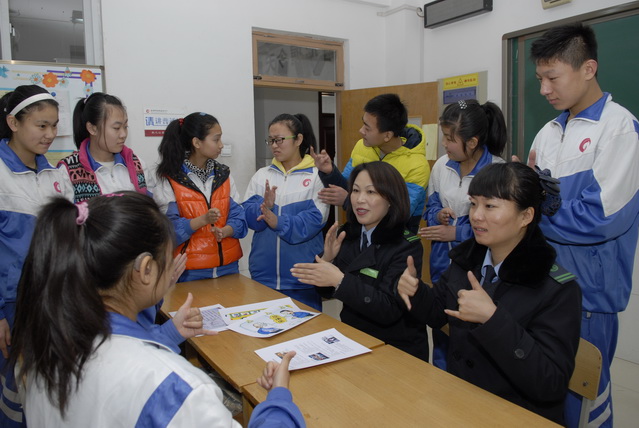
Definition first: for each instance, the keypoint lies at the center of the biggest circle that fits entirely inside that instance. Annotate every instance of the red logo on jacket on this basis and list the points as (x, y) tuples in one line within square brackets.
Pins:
[(306, 182), (584, 145), (56, 186)]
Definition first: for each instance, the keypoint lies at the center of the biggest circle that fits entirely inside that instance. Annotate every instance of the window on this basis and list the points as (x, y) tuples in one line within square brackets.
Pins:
[(301, 62)]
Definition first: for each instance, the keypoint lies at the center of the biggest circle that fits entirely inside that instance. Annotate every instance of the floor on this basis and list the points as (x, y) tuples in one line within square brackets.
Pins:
[(625, 393), (625, 382)]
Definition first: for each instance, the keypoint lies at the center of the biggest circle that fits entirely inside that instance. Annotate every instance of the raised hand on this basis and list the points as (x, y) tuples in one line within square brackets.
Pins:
[(322, 161), (408, 283)]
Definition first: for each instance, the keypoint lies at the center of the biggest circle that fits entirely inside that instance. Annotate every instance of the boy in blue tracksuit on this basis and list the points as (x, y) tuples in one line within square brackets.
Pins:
[(592, 147)]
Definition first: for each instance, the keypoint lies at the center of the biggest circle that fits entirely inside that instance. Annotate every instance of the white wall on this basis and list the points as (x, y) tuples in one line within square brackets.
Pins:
[(197, 56), (475, 44)]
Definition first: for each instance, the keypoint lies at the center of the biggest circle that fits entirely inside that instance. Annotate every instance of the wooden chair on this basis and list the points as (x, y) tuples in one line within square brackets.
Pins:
[(585, 378)]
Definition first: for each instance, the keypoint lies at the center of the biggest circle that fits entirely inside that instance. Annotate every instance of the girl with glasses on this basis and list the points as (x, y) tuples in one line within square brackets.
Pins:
[(282, 207)]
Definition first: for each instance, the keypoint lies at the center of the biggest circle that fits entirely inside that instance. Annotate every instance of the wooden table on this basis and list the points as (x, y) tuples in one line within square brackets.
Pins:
[(390, 388), (232, 354)]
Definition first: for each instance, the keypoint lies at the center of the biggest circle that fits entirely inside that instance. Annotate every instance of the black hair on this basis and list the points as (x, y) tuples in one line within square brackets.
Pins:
[(94, 110), (178, 139), (511, 181), (572, 44), (390, 112), (298, 124), (391, 186), (11, 99), (469, 119), (60, 312)]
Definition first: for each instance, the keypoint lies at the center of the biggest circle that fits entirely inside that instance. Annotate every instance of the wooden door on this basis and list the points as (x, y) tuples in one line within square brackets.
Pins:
[(420, 100)]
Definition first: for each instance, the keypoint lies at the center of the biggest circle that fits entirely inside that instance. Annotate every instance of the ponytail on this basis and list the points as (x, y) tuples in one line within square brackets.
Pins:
[(496, 137), (78, 252), (468, 119), (58, 313), (178, 139)]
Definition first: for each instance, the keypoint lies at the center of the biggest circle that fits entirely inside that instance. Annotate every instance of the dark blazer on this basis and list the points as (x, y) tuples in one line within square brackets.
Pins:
[(367, 290), (526, 351)]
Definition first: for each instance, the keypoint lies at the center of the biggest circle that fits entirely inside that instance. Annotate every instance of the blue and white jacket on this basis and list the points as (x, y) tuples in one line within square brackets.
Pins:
[(301, 217), (132, 380), (595, 231), (447, 189), (22, 194)]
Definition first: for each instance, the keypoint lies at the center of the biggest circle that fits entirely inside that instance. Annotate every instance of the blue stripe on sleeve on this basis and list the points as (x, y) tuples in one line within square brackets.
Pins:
[(164, 403)]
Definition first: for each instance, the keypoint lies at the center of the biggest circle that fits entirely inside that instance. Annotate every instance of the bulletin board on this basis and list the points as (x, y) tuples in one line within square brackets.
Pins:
[(68, 83), (617, 32)]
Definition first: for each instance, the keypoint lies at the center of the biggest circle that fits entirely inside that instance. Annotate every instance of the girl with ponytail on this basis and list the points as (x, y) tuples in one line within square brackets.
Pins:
[(198, 194), (103, 163), (474, 135), (83, 359)]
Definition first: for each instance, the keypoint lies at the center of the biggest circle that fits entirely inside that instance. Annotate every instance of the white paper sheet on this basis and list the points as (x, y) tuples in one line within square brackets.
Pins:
[(315, 349)]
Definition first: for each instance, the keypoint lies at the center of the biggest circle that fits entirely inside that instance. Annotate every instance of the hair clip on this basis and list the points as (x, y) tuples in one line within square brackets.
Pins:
[(181, 121), (462, 104), (111, 195), (551, 192), (83, 213)]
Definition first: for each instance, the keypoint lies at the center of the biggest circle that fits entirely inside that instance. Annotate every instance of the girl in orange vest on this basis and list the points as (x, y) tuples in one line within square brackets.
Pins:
[(198, 194)]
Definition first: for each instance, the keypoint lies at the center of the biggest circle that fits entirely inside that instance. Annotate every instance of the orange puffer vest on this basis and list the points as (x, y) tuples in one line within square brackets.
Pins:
[(202, 249)]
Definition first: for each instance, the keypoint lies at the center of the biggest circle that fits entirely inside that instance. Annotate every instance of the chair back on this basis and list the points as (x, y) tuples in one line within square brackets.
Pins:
[(585, 378)]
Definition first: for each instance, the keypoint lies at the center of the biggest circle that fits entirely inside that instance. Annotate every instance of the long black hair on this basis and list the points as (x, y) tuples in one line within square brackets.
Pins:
[(11, 100), (178, 139), (60, 312)]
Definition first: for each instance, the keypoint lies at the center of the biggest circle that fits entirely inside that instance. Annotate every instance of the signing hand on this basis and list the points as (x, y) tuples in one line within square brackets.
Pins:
[(333, 243), (268, 216), (320, 274), (222, 232), (188, 320), (442, 232), (179, 265), (322, 161), (445, 214), (5, 337), (408, 282), (333, 195), (475, 305), (269, 195), (276, 374)]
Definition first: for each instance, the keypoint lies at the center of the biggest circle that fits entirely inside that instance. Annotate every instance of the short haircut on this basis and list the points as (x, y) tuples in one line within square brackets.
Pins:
[(390, 112), (390, 185), (572, 44)]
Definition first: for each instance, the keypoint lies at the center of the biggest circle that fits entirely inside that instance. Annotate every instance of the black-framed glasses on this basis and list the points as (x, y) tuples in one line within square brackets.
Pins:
[(277, 140)]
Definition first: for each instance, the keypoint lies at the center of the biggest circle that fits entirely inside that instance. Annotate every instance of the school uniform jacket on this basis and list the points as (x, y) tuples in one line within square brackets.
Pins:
[(448, 189), (595, 231), (132, 380), (300, 219), (409, 160), (22, 194), (367, 289), (526, 351)]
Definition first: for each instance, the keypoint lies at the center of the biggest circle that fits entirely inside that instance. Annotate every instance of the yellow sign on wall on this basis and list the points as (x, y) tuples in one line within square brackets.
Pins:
[(464, 81)]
